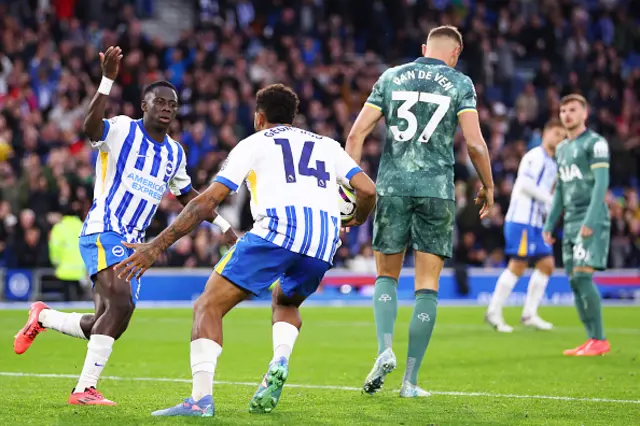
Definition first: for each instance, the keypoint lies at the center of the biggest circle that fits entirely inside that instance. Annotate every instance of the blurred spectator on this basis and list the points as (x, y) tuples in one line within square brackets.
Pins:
[(64, 253)]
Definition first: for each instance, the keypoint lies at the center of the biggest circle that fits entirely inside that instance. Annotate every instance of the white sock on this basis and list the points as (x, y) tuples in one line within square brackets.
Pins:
[(284, 337), (98, 351), (63, 322), (204, 357), (535, 291), (504, 286)]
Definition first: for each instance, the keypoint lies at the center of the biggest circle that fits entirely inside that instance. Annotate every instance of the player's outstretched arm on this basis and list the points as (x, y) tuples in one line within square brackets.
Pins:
[(364, 124), (230, 236), (192, 215), (479, 154), (365, 198), (93, 125)]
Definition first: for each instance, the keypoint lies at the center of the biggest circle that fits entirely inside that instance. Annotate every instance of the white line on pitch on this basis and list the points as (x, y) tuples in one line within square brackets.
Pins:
[(329, 387)]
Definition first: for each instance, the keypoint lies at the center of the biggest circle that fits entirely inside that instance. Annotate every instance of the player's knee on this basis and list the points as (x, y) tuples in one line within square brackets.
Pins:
[(517, 267), (545, 265), (206, 306)]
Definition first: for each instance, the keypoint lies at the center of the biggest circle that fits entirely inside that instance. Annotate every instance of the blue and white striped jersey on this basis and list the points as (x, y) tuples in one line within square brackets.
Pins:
[(531, 195), (292, 176), (133, 172)]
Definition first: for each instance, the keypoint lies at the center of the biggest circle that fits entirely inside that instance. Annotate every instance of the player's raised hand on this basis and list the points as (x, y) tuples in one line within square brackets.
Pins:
[(137, 264), (110, 62), (485, 198), (548, 238)]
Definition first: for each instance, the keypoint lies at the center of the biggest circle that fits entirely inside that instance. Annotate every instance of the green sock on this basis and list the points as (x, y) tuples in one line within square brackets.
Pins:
[(588, 300), (385, 310), (420, 329), (577, 299)]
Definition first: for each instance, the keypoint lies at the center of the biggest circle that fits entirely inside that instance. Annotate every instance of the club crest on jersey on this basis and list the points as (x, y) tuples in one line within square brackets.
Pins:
[(569, 173), (169, 168)]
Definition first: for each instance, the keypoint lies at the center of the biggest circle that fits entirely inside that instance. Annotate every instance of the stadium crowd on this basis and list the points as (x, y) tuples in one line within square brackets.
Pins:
[(522, 55)]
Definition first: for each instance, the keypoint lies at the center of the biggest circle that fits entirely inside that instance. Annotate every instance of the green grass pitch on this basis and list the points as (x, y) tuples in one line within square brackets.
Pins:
[(478, 376)]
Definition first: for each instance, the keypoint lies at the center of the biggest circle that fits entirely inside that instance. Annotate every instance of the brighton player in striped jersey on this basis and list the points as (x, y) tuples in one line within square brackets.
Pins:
[(136, 165), (292, 175), (530, 202)]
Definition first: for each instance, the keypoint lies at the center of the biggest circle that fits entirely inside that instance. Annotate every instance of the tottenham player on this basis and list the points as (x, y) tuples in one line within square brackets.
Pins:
[(291, 174), (137, 162), (530, 200), (422, 102)]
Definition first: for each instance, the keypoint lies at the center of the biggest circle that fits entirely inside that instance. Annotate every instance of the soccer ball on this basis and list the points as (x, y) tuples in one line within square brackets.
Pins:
[(347, 203)]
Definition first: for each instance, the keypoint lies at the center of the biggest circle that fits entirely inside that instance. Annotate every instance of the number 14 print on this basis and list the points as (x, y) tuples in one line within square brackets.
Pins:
[(320, 171)]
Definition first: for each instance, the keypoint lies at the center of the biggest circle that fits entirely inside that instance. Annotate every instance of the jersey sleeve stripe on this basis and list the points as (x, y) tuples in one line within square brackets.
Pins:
[(105, 131), (599, 165), (353, 172), (374, 106), (226, 182), (186, 189), (463, 110)]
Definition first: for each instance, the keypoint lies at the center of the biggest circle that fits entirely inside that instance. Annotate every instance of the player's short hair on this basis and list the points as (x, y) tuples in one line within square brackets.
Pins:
[(160, 83), (278, 103), (446, 31), (574, 97), (552, 124)]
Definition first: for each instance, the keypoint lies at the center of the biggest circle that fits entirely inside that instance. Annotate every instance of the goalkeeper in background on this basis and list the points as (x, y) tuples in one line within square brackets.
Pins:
[(583, 166)]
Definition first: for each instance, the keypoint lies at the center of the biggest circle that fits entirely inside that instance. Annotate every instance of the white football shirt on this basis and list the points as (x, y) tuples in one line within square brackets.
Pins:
[(133, 172), (537, 174), (292, 176)]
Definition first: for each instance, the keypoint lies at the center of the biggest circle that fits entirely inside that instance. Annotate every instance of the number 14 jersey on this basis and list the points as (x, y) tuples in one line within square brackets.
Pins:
[(421, 102), (292, 176)]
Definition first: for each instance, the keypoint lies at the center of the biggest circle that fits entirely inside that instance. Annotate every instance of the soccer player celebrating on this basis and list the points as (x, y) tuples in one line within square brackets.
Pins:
[(422, 102), (583, 164), (292, 176), (136, 165), (530, 201)]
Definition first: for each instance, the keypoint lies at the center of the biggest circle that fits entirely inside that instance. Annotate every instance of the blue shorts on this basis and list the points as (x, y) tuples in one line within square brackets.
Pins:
[(100, 251), (525, 241), (253, 264)]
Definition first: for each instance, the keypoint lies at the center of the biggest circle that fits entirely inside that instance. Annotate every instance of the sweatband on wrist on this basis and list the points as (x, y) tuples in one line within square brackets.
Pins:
[(222, 223), (105, 86)]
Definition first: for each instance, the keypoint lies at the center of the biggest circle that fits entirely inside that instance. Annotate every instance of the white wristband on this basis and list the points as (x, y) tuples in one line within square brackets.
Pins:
[(105, 86), (222, 223)]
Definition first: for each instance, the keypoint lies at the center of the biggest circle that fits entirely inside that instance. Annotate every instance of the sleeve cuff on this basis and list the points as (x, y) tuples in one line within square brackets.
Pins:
[(186, 189), (374, 106), (226, 182), (105, 132), (353, 172), (463, 110), (600, 165)]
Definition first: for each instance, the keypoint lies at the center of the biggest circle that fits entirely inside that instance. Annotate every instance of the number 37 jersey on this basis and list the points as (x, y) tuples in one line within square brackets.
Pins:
[(421, 102), (292, 175)]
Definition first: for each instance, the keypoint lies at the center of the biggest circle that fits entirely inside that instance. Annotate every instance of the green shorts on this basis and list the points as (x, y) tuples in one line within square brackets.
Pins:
[(590, 252), (426, 223)]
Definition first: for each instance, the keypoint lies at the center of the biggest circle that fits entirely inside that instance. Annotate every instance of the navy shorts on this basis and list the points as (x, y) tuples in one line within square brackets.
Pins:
[(254, 264)]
